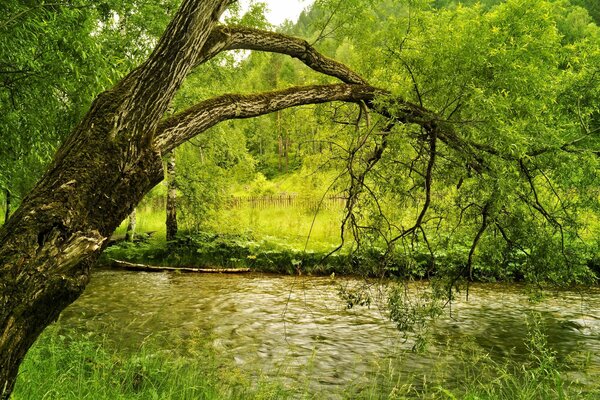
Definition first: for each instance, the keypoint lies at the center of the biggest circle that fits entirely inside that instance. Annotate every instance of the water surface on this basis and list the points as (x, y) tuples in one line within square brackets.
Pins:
[(298, 329)]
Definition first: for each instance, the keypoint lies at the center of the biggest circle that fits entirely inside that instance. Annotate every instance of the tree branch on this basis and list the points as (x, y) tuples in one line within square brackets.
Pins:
[(480, 232), (224, 38), (175, 130)]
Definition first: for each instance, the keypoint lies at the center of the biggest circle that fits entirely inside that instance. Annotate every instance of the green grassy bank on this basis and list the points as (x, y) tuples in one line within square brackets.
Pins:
[(209, 249), (292, 240), (82, 366)]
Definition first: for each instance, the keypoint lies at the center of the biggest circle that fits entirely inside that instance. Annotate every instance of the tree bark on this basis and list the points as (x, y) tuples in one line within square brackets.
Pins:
[(243, 38), (131, 223), (183, 126), (279, 143), (286, 147), (98, 175), (114, 157), (171, 223)]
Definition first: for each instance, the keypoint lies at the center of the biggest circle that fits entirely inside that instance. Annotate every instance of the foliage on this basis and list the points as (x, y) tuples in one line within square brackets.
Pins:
[(68, 365), (54, 58), (412, 313), (515, 81), (208, 166), (65, 365)]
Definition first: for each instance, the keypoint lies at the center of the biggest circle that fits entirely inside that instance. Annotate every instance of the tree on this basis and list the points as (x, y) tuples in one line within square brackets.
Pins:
[(518, 83), (54, 58), (113, 157), (131, 224)]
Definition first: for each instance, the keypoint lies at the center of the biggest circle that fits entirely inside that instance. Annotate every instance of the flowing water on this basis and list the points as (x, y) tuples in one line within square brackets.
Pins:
[(299, 329)]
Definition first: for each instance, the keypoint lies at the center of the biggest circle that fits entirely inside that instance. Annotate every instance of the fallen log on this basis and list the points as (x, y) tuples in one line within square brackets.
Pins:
[(156, 268)]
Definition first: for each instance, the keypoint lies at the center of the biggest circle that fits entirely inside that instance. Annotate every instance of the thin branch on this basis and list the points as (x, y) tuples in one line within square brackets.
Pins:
[(321, 34), (428, 182)]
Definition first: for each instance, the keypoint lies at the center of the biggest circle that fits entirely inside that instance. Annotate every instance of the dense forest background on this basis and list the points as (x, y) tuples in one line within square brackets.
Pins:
[(517, 81)]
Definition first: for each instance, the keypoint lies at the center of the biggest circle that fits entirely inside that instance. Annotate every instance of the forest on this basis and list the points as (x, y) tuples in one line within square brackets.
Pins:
[(426, 171)]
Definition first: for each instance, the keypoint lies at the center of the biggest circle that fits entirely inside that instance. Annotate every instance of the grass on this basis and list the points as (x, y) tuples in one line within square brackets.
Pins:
[(285, 226), (208, 249), (85, 366), (540, 376), (293, 226), (272, 239), (281, 239), (72, 366)]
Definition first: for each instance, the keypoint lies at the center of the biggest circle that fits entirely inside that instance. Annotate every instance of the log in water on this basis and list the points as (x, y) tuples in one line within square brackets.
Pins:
[(158, 268)]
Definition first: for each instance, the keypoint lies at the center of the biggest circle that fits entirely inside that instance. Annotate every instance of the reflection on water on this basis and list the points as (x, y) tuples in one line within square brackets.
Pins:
[(295, 327)]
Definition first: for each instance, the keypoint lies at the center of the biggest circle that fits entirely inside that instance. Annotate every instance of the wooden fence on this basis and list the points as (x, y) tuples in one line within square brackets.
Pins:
[(287, 201)]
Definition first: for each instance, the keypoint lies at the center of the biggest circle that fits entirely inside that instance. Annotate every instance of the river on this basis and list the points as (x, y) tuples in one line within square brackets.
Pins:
[(299, 330)]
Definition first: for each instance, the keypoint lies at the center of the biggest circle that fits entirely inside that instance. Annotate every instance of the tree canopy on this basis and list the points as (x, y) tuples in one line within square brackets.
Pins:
[(511, 88)]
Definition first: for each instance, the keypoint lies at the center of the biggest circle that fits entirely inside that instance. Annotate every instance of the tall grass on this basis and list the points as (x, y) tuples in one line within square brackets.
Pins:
[(72, 366), (539, 376), (76, 366), (291, 227), (295, 227)]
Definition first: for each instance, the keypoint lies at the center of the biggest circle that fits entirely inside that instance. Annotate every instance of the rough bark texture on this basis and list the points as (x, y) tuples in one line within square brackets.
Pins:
[(183, 126), (171, 223), (113, 158), (99, 174), (242, 38)]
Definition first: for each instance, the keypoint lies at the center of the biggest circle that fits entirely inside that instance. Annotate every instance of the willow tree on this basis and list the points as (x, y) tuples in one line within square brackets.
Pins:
[(114, 156), (517, 196)]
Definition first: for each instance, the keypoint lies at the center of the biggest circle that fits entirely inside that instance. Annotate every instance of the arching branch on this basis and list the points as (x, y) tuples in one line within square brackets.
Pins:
[(224, 38), (183, 126)]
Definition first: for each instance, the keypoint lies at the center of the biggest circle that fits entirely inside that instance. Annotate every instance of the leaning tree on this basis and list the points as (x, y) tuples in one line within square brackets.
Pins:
[(113, 157)]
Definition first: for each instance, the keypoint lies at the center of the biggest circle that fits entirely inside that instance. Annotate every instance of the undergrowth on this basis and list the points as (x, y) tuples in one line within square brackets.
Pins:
[(294, 240), (64, 365), (74, 366)]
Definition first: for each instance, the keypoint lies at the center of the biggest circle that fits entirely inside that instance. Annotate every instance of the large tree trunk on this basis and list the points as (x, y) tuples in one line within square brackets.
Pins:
[(99, 174), (171, 223), (113, 157)]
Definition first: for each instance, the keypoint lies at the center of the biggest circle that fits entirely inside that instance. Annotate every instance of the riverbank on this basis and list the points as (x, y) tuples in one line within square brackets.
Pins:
[(209, 250), (69, 365), (213, 250)]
